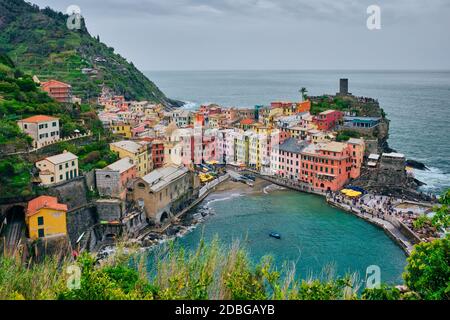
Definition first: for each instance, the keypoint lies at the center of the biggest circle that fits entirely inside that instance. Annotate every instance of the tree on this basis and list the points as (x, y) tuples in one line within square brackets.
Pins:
[(303, 91), (428, 270)]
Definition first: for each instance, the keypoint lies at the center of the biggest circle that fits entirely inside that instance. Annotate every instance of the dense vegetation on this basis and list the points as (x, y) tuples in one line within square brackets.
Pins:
[(40, 43), (20, 97), (213, 272), (351, 104)]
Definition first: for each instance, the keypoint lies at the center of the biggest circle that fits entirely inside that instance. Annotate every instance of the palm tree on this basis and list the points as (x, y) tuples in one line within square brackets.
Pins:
[(304, 92)]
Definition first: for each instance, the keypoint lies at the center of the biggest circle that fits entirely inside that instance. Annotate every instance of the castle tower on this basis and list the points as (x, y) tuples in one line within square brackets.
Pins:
[(343, 87)]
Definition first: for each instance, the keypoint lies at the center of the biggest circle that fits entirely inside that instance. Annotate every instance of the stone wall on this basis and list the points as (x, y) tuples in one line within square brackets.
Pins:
[(108, 182), (72, 192), (80, 221), (110, 209)]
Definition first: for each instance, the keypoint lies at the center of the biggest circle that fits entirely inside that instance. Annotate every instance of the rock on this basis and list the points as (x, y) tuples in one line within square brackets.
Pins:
[(416, 165)]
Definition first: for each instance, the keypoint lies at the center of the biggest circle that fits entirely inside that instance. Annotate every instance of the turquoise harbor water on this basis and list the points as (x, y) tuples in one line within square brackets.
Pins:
[(314, 234), (417, 103)]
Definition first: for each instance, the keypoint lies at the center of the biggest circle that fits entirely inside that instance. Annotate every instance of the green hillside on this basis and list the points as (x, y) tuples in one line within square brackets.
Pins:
[(39, 43), (20, 97)]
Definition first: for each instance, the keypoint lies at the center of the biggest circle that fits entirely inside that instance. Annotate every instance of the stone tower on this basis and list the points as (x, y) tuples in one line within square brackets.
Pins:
[(343, 87)]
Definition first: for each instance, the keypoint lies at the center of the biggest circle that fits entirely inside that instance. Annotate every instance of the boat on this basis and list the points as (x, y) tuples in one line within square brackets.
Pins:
[(275, 235)]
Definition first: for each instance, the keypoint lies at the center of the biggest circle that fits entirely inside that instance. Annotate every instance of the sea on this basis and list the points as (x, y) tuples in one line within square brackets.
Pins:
[(313, 234)]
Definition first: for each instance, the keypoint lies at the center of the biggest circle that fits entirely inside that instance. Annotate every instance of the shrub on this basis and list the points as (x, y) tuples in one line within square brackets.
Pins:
[(428, 269)]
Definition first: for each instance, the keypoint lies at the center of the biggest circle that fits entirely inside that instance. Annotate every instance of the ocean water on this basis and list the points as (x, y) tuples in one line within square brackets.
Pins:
[(314, 235), (417, 103)]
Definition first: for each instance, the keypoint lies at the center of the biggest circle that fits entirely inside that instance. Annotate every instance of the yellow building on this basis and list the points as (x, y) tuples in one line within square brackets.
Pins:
[(138, 152), (122, 129), (46, 218)]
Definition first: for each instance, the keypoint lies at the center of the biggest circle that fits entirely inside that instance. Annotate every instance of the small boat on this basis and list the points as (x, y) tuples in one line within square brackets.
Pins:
[(275, 235)]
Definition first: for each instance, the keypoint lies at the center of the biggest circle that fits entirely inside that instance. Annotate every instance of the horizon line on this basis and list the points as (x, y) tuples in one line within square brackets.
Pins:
[(293, 70)]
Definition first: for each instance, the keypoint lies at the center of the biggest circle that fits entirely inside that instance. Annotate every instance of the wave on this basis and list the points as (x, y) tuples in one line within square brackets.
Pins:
[(272, 187), (229, 197), (188, 105), (436, 180)]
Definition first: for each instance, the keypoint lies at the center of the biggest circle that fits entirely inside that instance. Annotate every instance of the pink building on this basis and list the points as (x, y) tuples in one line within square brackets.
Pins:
[(327, 120), (327, 166), (289, 161)]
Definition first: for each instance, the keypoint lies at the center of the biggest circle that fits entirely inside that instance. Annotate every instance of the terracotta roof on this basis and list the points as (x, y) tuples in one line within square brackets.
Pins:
[(247, 121), (39, 118), (55, 83), (44, 202)]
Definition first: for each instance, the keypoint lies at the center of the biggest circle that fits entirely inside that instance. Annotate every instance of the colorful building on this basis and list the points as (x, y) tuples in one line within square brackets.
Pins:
[(122, 129), (44, 130), (357, 149), (246, 124), (361, 122), (60, 91), (45, 217), (112, 180), (139, 152), (58, 168), (158, 153), (327, 120), (164, 190), (289, 158), (326, 166)]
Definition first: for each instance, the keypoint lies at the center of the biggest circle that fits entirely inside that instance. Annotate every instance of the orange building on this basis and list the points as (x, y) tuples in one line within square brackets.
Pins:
[(60, 91), (290, 108), (357, 147), (327, 166)]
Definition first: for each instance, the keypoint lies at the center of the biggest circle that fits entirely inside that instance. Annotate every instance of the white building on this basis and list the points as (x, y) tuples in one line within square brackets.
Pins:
[(43, 129), (58, 168)]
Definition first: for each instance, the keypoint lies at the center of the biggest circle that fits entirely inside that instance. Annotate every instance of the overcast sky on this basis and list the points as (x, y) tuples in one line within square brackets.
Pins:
[(270, 34)]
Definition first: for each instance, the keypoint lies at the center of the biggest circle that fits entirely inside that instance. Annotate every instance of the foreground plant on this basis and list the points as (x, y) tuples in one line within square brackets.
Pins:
[(212, 272)]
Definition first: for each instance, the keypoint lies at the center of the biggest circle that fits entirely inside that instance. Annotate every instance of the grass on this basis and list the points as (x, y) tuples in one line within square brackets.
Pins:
[(212, 271)]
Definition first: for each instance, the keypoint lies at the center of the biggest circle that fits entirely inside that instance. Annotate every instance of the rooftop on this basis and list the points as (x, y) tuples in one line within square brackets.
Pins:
[(122, 165), (362, 119), (332, 146), (44, 202), (355, 141), (128, 145), (293, 145), (62, 157), (39, 118), (160, 178), (247, 121), (327, 112), (394, 155), (55, 83)]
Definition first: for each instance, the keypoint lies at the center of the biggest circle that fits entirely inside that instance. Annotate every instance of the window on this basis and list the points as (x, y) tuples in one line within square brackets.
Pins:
[(41, 233), (67, 165), (73, 163), (40, 221), (60, 167), (141, 185), (54, 124), (52, 179), (25, 126), (60, 177)]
